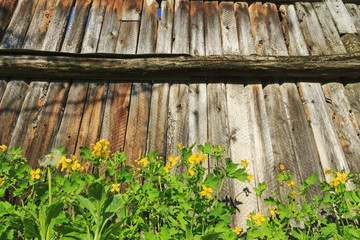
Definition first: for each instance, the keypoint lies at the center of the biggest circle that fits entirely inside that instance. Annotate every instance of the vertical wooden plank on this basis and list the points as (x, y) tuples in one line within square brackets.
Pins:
[(230, 42), (6, 12), (75, 32), (55, 34), (148, 27), (39, 25), (10, 107), (197, 41), (212, 28), (258, 18), (352, 92), (181, 40), (293, 36), (328, 27), (346, 128), (311, 29), (341, 16), (128, 36), (131, 10), (20, 21), (354, 12), (2, 88), (245, 36), (165, 27)]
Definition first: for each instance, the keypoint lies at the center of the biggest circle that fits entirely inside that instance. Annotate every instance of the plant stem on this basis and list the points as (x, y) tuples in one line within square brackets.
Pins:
[(50, 200)]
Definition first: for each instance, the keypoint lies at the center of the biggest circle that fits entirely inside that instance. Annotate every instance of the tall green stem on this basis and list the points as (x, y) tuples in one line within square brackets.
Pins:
[(50, 200)]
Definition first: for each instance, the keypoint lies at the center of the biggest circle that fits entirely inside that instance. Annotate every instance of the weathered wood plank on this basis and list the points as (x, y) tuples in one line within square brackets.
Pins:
[(354, 12), (148, 28), (3, 84), (131, 10), (128, 36), (165, 27), (245, 36), (76, 30), (92, 34), (10, 107), (181, 33), (20, 21), (39, 25), (212, 28), (328, 27), (293, 36), (341, 16), (352, 92), (230, 42), (258, 19), (346, 128), (276, 37), (311, 29), (197, 41), (110, 28), (6, 11), (327, 142)]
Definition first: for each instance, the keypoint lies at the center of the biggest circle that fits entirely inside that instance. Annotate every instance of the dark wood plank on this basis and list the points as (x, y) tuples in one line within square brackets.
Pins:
[(6, 12), (246, 39), (10, 107), (165, 27), (148, 28), (128, 37), (230, 42), (181, 33), (212, 28), (3, 84), (258, 19), (131, 10)]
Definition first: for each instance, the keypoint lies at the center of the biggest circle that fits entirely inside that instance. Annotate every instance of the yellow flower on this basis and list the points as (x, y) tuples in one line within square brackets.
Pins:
[(328, 171), (282, 167), (173, 160), (180, 145), (244, 163), (248, 216), (273, 210), (2, 180), (290, 183), (35, 174), (115, 187), (334, 182), (3, 148), (64, 162), (167, 168), (190, 171), (293, 194), (75, 166), (207, 191), (237, 230), (143, 162), (250, 177), (100, 149), (258, 218), (197, 158), (341, 177)]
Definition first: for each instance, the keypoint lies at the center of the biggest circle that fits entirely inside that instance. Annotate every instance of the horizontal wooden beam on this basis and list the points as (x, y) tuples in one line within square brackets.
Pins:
[(53, 65)]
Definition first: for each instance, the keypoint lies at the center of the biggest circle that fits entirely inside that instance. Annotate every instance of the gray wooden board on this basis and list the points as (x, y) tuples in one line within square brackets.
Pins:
[(6, 11), (230, 42), (276, 37), (327, 142), (3, 84), (258, 21), (352, 92), (347, 130), (76, 30), (328, 27), (39, 25), (212, 28), (311, 29), (148, 28), (132, 10), (92, 34), (341, 16), (354, 12), (128, 37), (55, 34), (240, 148), (294, 38), (197, 41), (10, 107), (246, 39), (181, 32), (20, 21), (29, 114), (165, 27)]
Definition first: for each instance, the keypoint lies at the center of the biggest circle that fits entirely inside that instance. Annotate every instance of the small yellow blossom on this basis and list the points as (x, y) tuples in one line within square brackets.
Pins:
[(244, 163), (100, 149), (290, 183), (334, 183), (341, 177), (282, 167), (2, 180), (250, 177), (248, 216), (273, 210), (180, 145), (167, 168), (197, 158), (328, 171), (35, 174), (143, 162), (64, 162), (293, 194), (173, 160), (237, 230), (75, 166), (190, 171), (3, 148), (258, 218), (115, 187), (207, 191)]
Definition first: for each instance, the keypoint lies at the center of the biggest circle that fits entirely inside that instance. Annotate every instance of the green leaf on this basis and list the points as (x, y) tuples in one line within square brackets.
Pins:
[(261, 188), (96, 191), (85, 153), (270, 201), (53, 211), (85, 203), (312, 179), (230, 166), (284, 211)]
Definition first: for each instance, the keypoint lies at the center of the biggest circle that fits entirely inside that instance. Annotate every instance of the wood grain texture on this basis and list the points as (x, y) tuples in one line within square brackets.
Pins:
[(212, 28), (148, 28), (346, 127), (328, 27), (76, 29), (6, 12), (294, 38), (3, 84), (131, 10), (352, 92), (39, 25), (258, 19), (128, 37), (311, 29), (341, 16), (165, 27), (246, 39), (197, 26), (10, 107), (20, 21), (181, 32), (230, 42), (354, 12)]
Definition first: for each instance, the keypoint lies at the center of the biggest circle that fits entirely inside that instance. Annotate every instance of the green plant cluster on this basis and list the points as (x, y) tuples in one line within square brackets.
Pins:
[(100, 196)]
